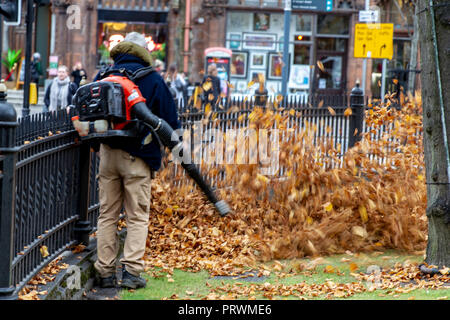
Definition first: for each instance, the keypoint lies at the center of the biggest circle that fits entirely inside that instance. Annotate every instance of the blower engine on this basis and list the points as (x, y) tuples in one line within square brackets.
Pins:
[(114, 106)]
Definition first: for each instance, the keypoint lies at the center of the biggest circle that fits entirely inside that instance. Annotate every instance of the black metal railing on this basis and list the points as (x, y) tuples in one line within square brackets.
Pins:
[(48, 195)]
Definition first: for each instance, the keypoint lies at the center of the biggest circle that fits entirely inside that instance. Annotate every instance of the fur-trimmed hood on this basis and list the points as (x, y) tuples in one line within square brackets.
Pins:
[(126, 47)]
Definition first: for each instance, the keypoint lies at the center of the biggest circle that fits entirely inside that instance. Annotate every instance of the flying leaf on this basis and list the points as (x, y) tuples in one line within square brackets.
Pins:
[(348, 112), (207, 85), (320, 65), (328, 206), (359, 231), (363, 213), (320, 105)]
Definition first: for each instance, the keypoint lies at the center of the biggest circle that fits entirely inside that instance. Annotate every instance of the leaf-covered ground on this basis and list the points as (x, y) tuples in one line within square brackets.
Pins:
[(389, 275)]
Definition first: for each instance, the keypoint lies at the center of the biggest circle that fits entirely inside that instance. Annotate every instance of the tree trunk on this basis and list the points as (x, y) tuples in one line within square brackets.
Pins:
[(438, 188)]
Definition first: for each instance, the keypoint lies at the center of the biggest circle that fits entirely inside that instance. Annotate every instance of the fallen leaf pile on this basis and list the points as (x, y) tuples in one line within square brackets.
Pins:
[(46, 275), (372, 198), (403, 279), (302, 291)]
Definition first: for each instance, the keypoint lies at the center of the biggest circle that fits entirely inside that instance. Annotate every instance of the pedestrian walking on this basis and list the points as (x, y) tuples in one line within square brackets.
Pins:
[(78, 73), (177, 83), (36, 71), (60, 91), (159, 67), (125, 173)]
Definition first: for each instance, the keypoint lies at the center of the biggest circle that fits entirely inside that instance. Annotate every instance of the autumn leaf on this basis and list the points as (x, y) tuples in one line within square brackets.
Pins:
[(331, 110), (79, 248), (207, 85), (348, 112), (320, 65), (44, 251), (353, 267), (363, 213), (359, 231), (444, 270), (320, 105), (328, 206), (329, 269)]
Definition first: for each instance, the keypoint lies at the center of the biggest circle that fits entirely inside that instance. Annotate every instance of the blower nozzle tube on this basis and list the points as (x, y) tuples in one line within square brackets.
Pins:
[(165, 134)]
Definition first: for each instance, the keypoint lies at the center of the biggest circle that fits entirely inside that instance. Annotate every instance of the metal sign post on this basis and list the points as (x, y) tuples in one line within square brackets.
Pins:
[(287, 26), (383, 80), (363, 87), (29, 34)]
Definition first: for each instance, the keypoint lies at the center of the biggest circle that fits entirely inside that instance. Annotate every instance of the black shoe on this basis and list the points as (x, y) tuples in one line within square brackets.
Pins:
[(132, 282), (108, 282)]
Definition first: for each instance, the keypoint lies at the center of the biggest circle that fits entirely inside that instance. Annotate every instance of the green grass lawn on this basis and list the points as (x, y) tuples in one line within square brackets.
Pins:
[(332, 269)]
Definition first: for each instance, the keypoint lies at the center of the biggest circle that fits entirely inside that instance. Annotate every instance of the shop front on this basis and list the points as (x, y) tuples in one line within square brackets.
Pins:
[(113, 25), (317, 50)]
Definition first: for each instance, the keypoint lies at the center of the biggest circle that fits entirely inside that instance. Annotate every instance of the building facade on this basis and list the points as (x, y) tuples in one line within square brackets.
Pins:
[(321, 43)]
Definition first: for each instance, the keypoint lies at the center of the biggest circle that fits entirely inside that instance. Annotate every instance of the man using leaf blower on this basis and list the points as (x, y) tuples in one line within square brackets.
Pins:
[(132, 108), (125, 173)]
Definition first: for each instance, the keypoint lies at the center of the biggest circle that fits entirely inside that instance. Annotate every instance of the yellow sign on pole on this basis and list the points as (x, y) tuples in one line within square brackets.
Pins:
[(374, 40)]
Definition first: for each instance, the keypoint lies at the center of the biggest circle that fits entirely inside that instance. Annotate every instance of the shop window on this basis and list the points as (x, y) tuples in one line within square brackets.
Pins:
[(301, 54), (329, 72), (402, 55), (375, 83), (331, 44), (111, 33), (303, 22), (332, 24)]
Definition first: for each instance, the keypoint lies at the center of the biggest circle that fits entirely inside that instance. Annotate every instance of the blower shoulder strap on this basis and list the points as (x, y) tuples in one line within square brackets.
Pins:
[(133, 76)]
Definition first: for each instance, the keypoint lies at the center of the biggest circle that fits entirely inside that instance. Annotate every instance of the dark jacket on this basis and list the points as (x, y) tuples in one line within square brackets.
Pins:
[(36, 70), (72, 90), (78, 76), (159, 100)]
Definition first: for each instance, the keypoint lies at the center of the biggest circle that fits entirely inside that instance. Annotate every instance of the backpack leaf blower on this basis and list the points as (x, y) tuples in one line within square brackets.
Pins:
[(114, 106)]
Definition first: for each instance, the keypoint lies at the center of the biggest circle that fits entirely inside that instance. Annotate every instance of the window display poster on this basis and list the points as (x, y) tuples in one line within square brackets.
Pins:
[(261, 21), (299, 77), (239, 64)]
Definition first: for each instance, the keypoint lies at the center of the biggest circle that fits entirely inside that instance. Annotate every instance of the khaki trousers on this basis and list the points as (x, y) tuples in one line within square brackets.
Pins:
[(123, 181)]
